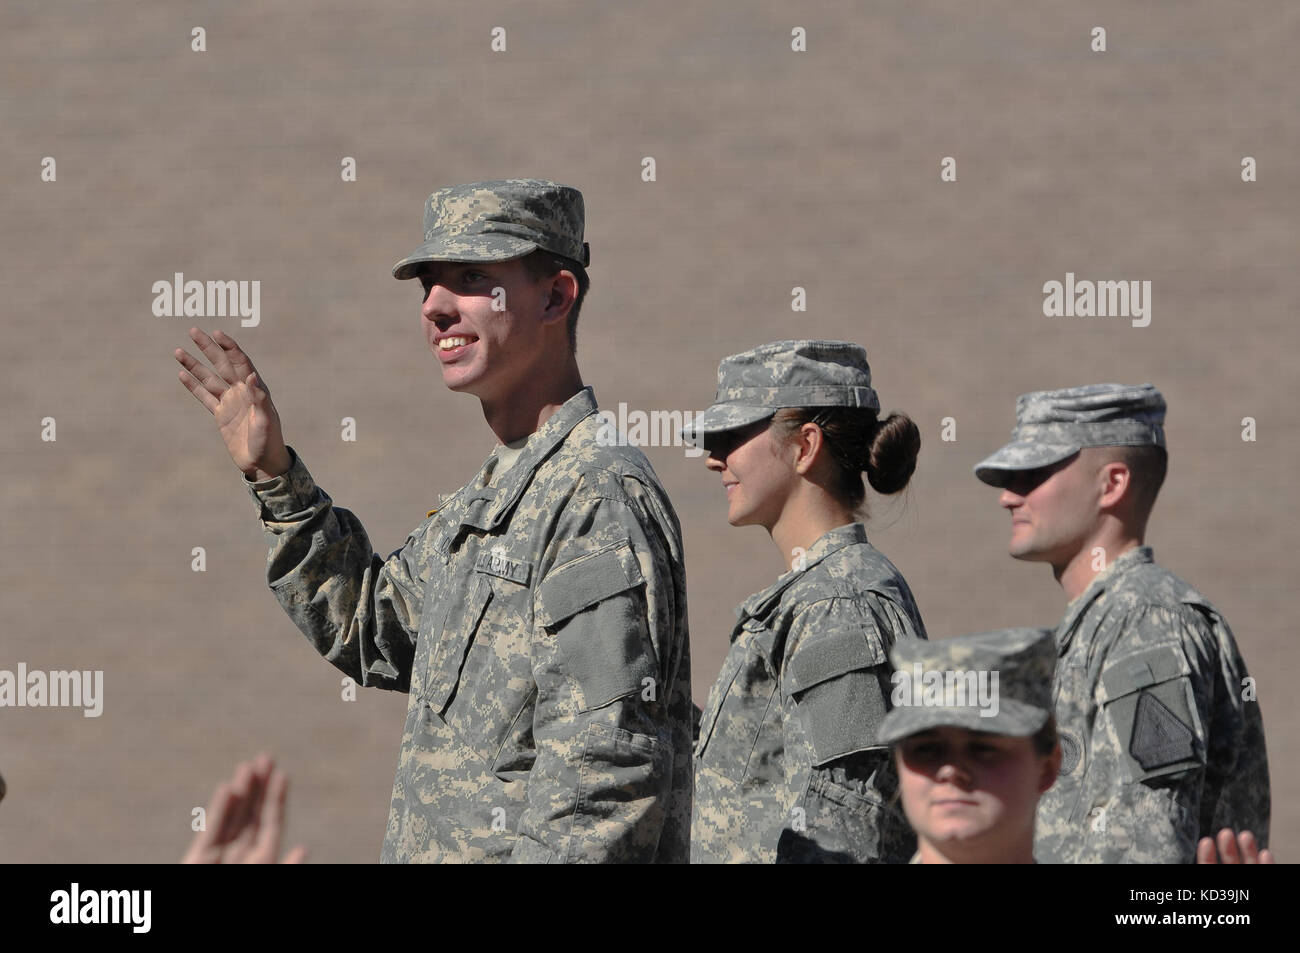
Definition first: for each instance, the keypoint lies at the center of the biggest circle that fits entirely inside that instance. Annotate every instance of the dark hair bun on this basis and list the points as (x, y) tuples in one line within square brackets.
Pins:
[(891, 460)]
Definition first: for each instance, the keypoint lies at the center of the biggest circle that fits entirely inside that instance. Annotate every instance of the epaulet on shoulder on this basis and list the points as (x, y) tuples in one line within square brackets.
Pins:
[(431, 512), (601, 479), (1157, 586)]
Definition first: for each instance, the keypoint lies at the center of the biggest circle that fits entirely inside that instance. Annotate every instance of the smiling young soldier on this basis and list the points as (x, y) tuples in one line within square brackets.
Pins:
[(538, 618), (1162, 740)]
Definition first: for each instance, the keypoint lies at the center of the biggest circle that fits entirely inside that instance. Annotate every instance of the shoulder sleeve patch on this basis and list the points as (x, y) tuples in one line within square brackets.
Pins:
[(1149, 699), (1159, 736)]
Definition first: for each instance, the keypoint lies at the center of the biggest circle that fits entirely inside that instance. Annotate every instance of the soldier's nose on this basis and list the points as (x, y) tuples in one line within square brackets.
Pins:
[(439, 303), (953, 773)]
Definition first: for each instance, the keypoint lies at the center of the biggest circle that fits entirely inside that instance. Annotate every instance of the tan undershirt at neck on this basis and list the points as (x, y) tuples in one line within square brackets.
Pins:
[(506, 454)]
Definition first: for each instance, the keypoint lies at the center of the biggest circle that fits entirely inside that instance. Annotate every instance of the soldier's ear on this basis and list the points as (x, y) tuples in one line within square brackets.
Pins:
[(1117, 483), (561, 290), (808, 440)]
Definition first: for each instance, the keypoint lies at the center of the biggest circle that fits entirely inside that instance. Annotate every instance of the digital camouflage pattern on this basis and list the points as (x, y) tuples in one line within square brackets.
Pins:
[(1162, 739), (1052, 425), (497, 221), (1022, 658), (754, 384), (788, 766), (539, 626)]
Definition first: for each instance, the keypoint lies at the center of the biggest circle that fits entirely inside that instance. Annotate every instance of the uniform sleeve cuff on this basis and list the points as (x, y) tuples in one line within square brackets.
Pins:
[(280, 497)]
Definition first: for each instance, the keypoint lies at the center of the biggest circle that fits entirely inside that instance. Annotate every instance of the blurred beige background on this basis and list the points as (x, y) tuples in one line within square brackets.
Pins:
[(774, 169)]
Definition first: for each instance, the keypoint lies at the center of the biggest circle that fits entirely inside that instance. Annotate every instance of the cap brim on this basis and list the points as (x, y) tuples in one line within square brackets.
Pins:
[(490, 247), (1013, 717), (996, 470), (721, 417)]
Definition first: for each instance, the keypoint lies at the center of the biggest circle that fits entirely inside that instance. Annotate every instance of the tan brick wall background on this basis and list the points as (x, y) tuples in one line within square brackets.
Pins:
[(775, 169)]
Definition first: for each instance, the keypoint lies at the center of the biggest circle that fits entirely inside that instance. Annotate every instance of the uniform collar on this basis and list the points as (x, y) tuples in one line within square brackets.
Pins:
[(1121, 564), (487, 506), (760, 602)]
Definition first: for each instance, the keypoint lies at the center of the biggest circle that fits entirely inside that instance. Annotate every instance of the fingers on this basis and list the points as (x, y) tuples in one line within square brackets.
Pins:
[(1228, 846), (272, 819), (244, 817), (205, 848), (225, 354), (217, 355), (221, 814), (1205, 851), (260, 771), (201, 393), (1250, 850), (240, 361), (296, 856), (239, 815), (213, 384)]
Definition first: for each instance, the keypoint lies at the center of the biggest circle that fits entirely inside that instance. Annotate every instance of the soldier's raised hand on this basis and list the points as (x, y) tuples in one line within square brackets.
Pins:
[(235, 394), (1232, 848), (245, 819)]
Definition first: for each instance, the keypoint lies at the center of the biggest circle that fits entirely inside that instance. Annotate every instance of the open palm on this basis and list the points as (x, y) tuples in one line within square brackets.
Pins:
[(235, 394)]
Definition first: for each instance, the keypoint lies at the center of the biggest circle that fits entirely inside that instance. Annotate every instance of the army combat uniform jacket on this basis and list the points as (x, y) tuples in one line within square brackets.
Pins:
[(787, 767), (539, 626), (1162, 741)]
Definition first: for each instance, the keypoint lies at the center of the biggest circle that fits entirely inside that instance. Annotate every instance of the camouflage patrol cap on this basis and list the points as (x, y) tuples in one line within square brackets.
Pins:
[(1052, 425), (498, 221), (755, 384), (999, 682)]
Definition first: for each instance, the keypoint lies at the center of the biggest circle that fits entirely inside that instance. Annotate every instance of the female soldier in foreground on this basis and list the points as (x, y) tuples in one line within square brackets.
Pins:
[(788, 767), (973, 761), (974, 742)]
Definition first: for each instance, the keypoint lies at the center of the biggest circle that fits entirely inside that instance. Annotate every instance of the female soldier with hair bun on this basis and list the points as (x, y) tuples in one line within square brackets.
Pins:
[(788, 767)]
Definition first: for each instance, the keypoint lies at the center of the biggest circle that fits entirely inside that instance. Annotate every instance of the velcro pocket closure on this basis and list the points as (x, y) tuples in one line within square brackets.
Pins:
[(600, 625), (837, 691), (1150, 667), (824, 657), (1149, 700), (585, 581)]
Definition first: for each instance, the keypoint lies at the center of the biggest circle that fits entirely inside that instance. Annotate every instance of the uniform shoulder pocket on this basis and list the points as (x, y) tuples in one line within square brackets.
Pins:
[(585, 581), (835, 686), (595, 607), (1149, 699)]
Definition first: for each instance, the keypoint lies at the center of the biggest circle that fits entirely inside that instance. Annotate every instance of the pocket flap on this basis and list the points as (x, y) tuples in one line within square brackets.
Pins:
[(586, 581), (1143, 669), (828, 656)]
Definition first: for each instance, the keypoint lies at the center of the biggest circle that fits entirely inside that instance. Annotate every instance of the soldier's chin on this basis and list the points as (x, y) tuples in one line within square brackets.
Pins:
[(741, 517), (1025, 550), (963, 832), (461, 380)]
